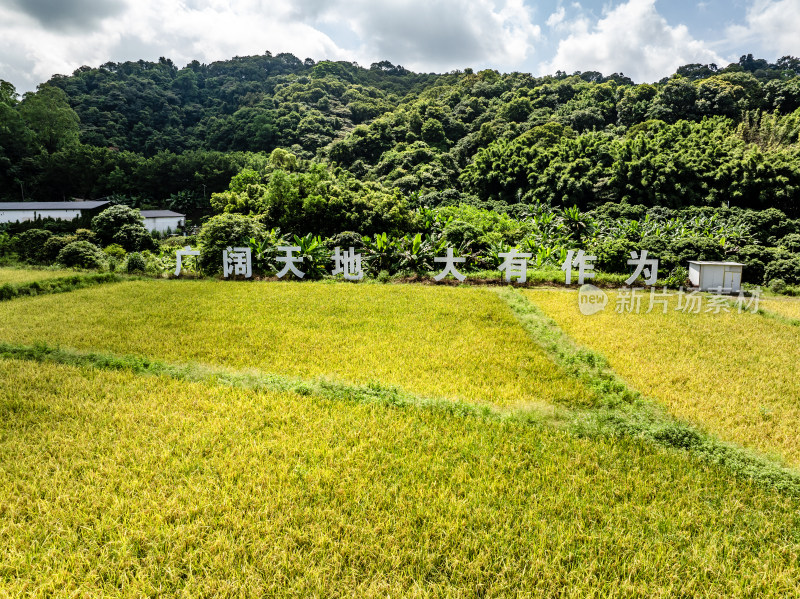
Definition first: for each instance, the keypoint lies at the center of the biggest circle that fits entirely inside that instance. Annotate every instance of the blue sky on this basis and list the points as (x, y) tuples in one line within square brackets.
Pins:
[(645, 39)]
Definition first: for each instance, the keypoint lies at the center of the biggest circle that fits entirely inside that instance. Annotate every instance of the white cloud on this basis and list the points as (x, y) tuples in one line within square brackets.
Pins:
[(555, 19), (773, 25), (439, 34), (423, 35), (634, 39)]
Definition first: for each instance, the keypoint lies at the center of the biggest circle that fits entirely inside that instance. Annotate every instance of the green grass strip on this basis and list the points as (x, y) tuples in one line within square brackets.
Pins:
[(9, 291), (795, 322), (623, 412), (371, 393)]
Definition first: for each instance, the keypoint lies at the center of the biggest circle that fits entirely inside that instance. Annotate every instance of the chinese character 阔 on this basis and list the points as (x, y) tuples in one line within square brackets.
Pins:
[(237, 261)]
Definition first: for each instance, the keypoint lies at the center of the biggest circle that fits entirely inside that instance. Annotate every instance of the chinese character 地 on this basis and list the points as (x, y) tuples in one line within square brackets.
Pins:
[(648, 267), (186, 251), (237, 261), (347, 263), (449, 266), (515, 265), (582, 263), (289, 261)]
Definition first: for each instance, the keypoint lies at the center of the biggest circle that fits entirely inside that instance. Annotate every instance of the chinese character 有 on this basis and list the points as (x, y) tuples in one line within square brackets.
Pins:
[(515, 265)]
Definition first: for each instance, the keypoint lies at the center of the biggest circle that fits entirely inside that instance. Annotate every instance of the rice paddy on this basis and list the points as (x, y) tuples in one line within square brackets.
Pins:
[(784, 306), (459, 343), (120, 485), (121, 482), (736, 375), (16, 276)]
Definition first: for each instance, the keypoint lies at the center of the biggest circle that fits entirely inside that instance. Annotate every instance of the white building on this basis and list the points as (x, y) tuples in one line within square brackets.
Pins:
[(11, 212), (712, 276), (161, 220)]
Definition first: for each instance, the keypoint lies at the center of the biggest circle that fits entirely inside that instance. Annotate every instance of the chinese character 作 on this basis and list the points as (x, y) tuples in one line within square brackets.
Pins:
[(582, 262)]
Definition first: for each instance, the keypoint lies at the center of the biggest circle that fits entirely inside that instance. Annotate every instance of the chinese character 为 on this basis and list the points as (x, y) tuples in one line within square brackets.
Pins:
[(237, 261), (689, 303), (581, 262), (644, 266), (515, 265), (290, 261), (743, 304), (347, 263), (628, 301), (450, 266), (186, 251)]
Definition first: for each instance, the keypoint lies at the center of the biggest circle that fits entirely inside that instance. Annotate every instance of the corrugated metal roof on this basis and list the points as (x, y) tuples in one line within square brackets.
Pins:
[(160, 213), (81, 205), (713, 263)]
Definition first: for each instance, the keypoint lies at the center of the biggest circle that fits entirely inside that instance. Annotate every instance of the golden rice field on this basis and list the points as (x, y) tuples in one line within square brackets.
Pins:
[(120, 485), (435, 341), (28, 275), (737, 375), (785, 306)]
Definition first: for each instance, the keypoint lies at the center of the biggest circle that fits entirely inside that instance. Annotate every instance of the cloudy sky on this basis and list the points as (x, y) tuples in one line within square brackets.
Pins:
[(644, 39)]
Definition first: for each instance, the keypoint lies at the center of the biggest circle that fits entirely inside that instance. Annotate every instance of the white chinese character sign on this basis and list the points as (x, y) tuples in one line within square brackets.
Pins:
[(582, 262), (449, 266), (348, 264), (289, 261), (515, 265), (237, 261), (180, 254)]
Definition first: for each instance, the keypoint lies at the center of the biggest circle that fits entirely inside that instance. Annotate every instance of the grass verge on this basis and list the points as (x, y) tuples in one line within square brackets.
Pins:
[(62, 284)]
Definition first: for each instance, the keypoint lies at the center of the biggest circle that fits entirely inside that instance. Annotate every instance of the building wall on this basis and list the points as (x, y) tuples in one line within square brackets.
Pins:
[(162, 223), (12, 216)]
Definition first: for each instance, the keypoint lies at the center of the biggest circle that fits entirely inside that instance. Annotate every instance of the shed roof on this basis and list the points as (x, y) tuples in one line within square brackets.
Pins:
[(78, 205), (715, 263), (160, 213)]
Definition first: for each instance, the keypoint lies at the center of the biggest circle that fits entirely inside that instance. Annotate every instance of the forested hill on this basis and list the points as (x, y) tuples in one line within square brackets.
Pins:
[(157, 135)]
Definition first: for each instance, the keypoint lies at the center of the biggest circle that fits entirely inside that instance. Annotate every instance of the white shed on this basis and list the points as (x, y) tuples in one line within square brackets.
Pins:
[(161, 220), (714, 276), (11, 212)]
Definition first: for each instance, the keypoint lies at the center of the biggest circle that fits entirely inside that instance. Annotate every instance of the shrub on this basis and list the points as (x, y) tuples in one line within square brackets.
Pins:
[(29, 244), (136, 263), (221, 231), (82, 254), (115, 250), (787, 269), (613, 254), (109, 222), (53, 246), (777, 285)]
